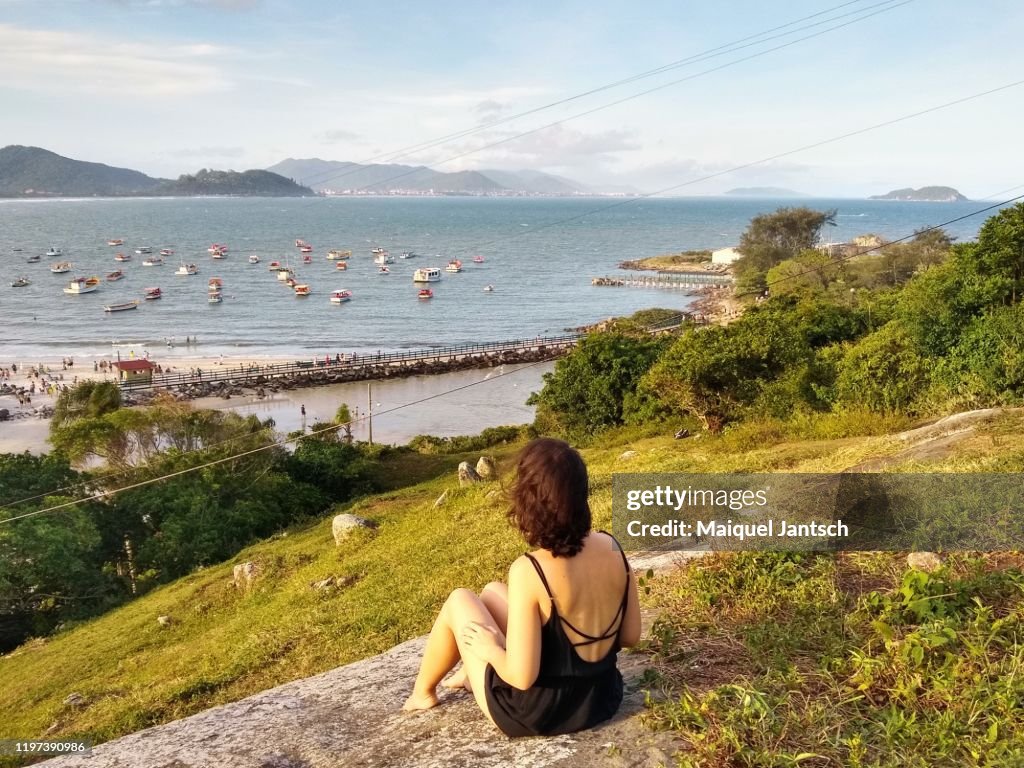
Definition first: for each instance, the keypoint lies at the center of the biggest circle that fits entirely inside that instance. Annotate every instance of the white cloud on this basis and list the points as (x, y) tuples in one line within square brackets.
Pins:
[(554, 147), (49, 60)]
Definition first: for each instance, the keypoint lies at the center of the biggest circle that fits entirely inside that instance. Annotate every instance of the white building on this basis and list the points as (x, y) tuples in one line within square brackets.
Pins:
[(725, 255)]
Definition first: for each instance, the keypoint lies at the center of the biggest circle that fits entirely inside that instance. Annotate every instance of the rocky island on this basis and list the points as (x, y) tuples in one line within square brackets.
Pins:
[(924, 194)]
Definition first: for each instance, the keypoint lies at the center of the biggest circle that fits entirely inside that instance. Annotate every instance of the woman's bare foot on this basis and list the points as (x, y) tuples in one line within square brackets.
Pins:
[(418, 701), (457, 680)]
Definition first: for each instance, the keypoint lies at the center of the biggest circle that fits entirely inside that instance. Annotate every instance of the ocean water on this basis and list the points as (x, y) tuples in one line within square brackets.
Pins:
[(540, 255)]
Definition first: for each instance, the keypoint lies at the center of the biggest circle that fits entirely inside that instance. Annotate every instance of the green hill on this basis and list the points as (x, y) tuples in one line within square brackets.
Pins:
[(924, 194), (223, 643), (35, 172), (254, 183)]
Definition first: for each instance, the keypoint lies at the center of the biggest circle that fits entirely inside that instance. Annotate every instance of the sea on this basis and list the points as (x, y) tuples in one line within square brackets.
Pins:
[(540, 255)]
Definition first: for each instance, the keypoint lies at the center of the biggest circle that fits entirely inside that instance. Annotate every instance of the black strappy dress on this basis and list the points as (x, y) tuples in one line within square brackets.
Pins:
[(570, 694)]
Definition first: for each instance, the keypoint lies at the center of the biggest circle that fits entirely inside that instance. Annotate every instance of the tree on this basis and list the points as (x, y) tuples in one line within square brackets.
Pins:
[(808, 272), (774, 237), (1001, 248), (989, 358), (86, 400), (883, 372), (592, 387)]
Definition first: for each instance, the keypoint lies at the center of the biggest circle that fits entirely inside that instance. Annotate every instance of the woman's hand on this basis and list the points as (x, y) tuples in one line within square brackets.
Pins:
[(482, 641)]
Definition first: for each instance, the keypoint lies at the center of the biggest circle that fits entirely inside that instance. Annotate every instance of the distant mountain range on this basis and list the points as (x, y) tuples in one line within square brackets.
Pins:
[(764, 192), (344, 178), (924, 194), (36, 172)]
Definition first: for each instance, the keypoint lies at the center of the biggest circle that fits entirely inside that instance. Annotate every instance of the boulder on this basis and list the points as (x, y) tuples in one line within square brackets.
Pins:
[(163, 621), (486, 468), (75, 700), (467, 475), (343, 525), (243, 574), (627, 455), (441, 500), (928, 562)]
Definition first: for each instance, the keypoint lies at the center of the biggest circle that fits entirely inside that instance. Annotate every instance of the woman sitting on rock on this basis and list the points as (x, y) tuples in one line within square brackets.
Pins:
[(539, 655)]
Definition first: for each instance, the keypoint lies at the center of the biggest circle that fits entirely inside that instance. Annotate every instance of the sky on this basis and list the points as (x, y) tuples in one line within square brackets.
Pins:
[(171, 86)]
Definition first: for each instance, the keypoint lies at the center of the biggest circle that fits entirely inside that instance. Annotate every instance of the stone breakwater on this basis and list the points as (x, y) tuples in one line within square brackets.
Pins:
[(260, 385)]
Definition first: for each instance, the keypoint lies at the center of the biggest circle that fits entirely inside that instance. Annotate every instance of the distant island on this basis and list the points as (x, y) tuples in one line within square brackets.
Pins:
[(924, 194), (764, 192), (35, 172)]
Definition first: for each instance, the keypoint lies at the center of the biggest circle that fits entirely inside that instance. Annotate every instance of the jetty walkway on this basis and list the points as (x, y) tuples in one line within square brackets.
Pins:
[(684, 280), (336, 369)]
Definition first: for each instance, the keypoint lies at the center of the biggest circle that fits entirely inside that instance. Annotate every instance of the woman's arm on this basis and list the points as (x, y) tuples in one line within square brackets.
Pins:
[(629, 634), (518, 663)]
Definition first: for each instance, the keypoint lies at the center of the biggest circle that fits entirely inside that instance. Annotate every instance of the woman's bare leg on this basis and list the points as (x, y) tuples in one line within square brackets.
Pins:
[(444, 650), (495, 598)]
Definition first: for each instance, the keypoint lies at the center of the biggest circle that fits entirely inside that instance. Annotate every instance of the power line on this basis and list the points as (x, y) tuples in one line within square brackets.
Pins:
[(720, 50), (890, 5)]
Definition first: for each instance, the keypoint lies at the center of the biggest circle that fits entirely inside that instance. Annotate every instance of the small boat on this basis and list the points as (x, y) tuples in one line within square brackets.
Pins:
[(121, 307), (214, 298), (427, 275), (377, 251), (61, 267), (291, 282), (254, 259), (187, 269), (81, 285), (408, 255), (299, 243), (34, 258), (166, 251), (307, 259), (122, 257), (217, 248), (142, 250), (341, 296), (20, 282), (215, 282), (478, 259), (383, 270), (284, 274), (53, 252), (115, 242), (341, 265), (113, 277), (302, 290), (384, 258), (425, 293), (336, 255), (153, 261), (454, 266), (275, 265), (217, 254), (152, 294), (488, 289), (305, 249)]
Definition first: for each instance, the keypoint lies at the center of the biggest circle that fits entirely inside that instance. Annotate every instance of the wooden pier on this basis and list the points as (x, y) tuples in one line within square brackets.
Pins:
[(672, 280)]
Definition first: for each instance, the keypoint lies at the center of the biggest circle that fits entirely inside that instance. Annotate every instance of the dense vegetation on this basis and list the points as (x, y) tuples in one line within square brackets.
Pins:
[(82, 559), (918, 328), (255, 183)]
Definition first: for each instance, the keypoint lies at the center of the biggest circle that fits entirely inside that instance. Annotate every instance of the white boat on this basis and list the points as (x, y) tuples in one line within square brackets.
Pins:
[(488, 289), (284, 274), (383, 270), (152, 294), (378, 251), (187, 269), (113, 277), (115, 242), (254, 259), (425, 293), (82, 285), (166, 251), (478, 259), (53, 252), (34, 259), (121, 307), (341, 296), (217, 248), (454, 266), (336, 255), (302, 290), (384, 258), (20, 282), (408, 255), (214, 298), (122, 257), (143, 250), (427, 275), (61, 267), (153, 261)]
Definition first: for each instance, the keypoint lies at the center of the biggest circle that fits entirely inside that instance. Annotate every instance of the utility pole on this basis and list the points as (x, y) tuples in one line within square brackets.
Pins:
[(369, 410)]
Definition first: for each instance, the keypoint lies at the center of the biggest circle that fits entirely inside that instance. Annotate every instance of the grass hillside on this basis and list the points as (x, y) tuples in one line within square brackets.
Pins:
[(223, 644)]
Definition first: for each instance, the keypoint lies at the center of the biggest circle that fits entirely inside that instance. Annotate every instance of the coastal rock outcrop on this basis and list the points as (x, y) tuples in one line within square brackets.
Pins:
[(344, 524), (467, 475)]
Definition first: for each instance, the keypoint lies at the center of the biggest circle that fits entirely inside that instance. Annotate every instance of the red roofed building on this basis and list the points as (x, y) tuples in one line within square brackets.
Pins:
[(134, 370)]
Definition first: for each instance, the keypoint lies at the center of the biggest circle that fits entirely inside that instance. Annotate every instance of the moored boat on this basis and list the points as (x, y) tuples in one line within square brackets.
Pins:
[(215, 282), (454, 266), (254, 259), (299, 242), (214, 297), (122, 257), (153, 293), (336, 255), (305, 248), (166, 251), (426, 275), (115, 242), (284, 274), (341, 296), (217, 248), (302, 290), (275, 265), (408, 255), (53, 252), (488, 289), (478, 259), (114, 276), (153, 261), (20, 282), (341, 265), (383, 270), (307, 259), (121, 307), (60, 267), (187, 269), (143, 250), (383, 258), (82, 285), (34, 259), (425, 293)]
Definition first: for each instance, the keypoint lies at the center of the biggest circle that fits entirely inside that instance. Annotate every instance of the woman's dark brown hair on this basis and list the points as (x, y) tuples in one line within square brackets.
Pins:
[(549, 500)]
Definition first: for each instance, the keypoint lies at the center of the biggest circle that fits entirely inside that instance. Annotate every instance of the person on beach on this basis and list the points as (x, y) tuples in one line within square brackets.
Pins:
[(539, 655)]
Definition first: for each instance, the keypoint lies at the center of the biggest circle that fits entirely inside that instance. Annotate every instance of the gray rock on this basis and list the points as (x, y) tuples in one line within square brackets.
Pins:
[(343, 525), (163, 621), (467, 475), (928, 562), (243, 574), (486, 468), (441, 500), (75, 700), (627, 455)]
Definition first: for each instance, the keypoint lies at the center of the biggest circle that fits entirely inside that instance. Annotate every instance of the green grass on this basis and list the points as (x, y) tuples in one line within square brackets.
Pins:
[(224, 645)]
